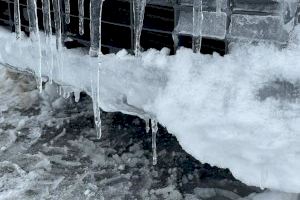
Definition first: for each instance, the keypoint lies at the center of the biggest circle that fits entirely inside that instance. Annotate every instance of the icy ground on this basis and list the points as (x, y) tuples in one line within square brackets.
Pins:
[(48, 150)]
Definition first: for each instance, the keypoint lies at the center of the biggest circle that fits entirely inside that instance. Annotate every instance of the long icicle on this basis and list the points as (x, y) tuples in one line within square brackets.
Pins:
[(96, 104), (81, 16), (197, 25), (218, 6), (17, 19), (95, 27), (67, 11), (35, 36), (154, 127), (138, 21)]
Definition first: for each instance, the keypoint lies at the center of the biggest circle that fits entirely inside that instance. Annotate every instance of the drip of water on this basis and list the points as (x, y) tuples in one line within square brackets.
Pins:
[(95, 89), (154, 126), (81, 16), (35, 37), (67, 11), (138, 20), (197, 25), (95, 25), (17, 19)]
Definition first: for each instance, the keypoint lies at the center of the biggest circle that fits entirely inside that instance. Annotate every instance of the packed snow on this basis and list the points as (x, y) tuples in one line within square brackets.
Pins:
[(240, 111)]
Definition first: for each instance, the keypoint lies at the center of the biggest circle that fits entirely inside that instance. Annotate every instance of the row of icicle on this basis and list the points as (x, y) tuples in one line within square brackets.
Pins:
[(95, 43)]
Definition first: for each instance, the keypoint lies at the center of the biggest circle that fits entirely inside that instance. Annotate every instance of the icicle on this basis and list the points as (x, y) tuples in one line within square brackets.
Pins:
[(154, 127), (77, 95), (35, 36), (197, 25), (47, 18), (147, 125), (57, 22), (17, 19), (81, 16), (138, 18), (96, 104), (218, 6), (67, 11), (95, 26)]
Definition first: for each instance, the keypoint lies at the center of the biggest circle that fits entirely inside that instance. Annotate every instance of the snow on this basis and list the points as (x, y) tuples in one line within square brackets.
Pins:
[(240, 111)]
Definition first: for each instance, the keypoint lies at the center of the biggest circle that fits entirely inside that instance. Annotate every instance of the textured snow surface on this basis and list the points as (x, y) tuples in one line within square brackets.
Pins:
[(240, 111)]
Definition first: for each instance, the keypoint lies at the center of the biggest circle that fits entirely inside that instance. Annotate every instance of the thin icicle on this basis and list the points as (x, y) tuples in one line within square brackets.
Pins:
[(67, 11), (57, 23), (147, 122), (197, 25), (95, 90), (218, 6), (95, 27), (81, 16), (138, 21), (154, 126), (46, 18), (17, 19), (77, 95), (35, 37)]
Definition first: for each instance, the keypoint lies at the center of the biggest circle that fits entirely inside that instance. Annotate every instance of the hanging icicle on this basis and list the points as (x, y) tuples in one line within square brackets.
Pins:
[(67, 11), (197, 25), (81, 16), (17, 19), (95, 90), (35, 37), (95, 27), (154, 127), (46, 18), (138, 21), (57, 23), (218, 6), (147, 123)]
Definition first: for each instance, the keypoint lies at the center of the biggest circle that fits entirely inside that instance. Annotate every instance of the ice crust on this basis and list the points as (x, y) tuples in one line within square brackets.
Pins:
[(240, 111)]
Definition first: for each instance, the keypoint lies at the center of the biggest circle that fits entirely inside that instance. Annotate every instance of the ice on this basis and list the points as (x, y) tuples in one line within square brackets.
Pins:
[(213, 24), (95, 92), (57, 22), (147, 125), (35, 37), (255, 27), (219, 6), (95, 27), (17, 19), (81, 16), (67, 11), (154, 128), (138, 15), (197, 25), (227, 111)]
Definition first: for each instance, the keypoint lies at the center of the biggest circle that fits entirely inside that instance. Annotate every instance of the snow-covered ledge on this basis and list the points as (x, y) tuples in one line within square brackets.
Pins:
[(227, 111)]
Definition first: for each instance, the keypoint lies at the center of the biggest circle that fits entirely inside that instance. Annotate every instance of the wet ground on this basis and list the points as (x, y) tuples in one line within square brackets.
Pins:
[(48, 150)]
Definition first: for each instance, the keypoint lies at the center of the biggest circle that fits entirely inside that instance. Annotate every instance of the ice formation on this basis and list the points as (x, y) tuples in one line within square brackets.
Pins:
[(138, 15), (17, 19), (81, 16), (67, 11), (239, 111), (197, 25)]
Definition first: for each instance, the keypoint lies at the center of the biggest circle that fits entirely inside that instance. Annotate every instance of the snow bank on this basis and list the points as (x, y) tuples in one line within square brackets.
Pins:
[(240, 111)]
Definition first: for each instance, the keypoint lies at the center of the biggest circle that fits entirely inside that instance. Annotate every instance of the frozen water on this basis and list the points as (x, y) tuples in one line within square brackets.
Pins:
[(95, 27), (138, 15), (197, 25), (154, 129), (81, 16), (67, 11), (17, 19), (47, 18)]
